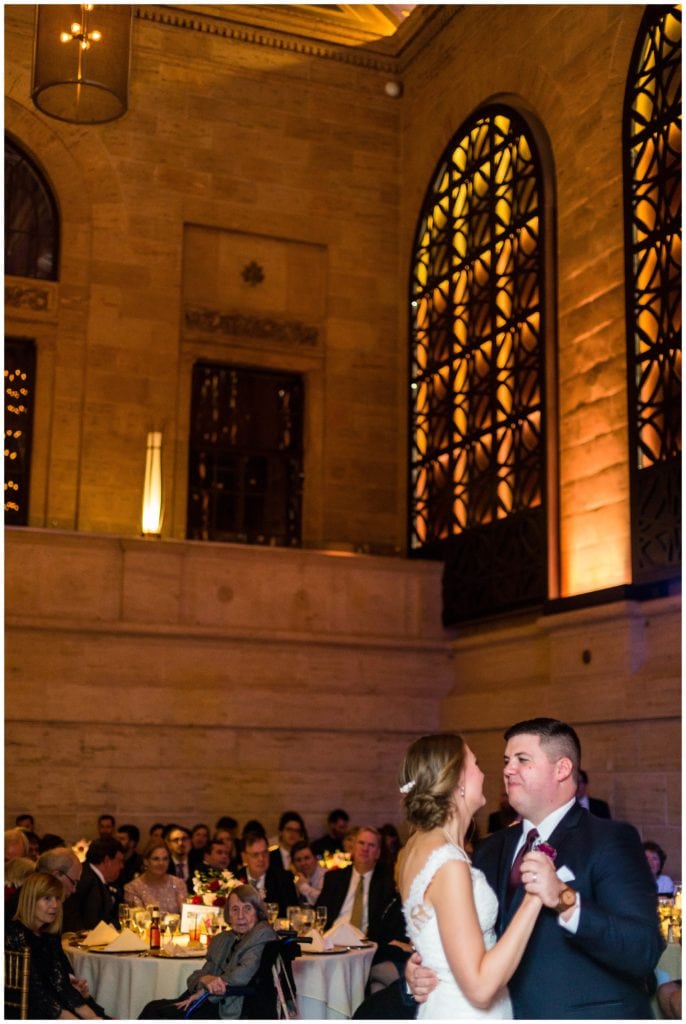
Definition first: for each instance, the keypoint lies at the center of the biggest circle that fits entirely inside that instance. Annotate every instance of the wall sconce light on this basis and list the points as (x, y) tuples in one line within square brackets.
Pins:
[(81, 61), (151, 519)]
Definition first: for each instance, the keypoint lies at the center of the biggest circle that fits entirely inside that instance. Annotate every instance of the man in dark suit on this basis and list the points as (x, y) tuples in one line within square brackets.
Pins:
[(377, 887), (273, 883), (291, 830), (95, 897), (596, 940), (597, 807)]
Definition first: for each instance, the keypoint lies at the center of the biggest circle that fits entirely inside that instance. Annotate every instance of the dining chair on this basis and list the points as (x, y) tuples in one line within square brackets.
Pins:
[(17, 965)]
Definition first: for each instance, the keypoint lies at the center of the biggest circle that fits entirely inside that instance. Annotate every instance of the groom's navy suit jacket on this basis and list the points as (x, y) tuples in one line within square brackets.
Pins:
[(599, 972)]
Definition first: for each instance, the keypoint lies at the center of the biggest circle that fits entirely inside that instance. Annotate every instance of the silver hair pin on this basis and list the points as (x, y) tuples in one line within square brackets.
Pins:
[(408, 786)]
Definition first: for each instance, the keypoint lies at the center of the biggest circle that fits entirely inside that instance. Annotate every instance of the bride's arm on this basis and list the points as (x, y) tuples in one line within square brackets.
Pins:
[(480, 973)]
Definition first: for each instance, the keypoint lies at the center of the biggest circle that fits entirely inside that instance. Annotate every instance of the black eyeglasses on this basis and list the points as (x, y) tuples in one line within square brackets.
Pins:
[(74, 881)]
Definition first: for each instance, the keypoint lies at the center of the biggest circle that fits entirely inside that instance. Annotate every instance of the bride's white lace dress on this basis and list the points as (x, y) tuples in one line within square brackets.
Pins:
[(447, 1001)]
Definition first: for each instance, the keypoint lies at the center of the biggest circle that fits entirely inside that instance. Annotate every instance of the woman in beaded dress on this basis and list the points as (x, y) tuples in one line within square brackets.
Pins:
[(156, 885)]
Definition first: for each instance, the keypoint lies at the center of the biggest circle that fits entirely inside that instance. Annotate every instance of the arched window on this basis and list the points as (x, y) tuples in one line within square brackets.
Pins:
[(477, 486), (31, 219), (652, 190)]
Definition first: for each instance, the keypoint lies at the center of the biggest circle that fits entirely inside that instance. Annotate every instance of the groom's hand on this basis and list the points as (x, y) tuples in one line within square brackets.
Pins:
[(539, 878), (421, 980)]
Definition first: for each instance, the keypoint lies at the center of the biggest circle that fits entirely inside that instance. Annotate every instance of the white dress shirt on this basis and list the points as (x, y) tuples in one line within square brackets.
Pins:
[(545, 829)]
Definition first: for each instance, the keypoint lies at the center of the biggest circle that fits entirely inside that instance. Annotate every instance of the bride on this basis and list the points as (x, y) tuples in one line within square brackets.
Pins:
[(449, 906)]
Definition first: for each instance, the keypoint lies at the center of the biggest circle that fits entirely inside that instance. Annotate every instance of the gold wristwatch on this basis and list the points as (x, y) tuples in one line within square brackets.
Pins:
[(566, 900)]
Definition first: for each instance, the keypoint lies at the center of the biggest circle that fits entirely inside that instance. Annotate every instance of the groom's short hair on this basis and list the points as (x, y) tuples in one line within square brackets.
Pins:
[(557, 739)]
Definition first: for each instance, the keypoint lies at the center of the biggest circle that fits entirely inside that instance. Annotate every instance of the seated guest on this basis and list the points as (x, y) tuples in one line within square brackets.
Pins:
[(291, 830), (390, 845), (361, 892), (309, 874), (157, 830), (16, 872), (25, 821), (215, 859), (95, 898), (503, 817), (63, 864), (200, 837), (155, 884), (271, 881), (599, 808), (106, 825), (34, 843), (16, 844), (36, 926), (365, 896), (50, 841), (178, 840), (230, 825), (656, 858), (225, 836), (233, 958), (129, 837), (338, 822)]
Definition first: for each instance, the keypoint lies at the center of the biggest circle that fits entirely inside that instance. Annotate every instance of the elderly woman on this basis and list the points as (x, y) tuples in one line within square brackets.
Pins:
[(156, 885), (36, 926), (233, 958)]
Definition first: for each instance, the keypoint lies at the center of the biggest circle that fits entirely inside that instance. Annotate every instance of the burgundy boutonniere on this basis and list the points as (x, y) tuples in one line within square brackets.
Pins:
[(545, 848)]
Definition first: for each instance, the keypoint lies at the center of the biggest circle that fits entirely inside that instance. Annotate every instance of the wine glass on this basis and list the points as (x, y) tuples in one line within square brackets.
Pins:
[(320, 914), (272, 912), (294, 918), (124, 916), (307, 919), (171, 923)]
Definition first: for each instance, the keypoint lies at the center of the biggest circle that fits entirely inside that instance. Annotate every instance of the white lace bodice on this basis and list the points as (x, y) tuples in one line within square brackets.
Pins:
[(447, 1001)]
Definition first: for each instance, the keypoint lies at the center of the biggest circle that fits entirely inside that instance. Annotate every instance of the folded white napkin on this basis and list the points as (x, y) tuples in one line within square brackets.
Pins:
[(100, 935), (343, 935), (172, 949), (317, 944), (127, 942)]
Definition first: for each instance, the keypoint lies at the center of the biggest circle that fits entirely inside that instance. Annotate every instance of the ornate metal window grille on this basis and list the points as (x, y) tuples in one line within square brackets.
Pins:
[(477, 481), (20, 384), (31, 218), (652, 188), (246, 458)]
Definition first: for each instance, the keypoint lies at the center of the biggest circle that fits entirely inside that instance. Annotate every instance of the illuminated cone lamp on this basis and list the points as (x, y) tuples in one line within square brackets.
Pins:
[(151, 519)]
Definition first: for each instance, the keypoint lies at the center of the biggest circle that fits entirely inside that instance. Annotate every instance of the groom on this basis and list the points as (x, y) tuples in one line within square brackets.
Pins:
[(596, 940)]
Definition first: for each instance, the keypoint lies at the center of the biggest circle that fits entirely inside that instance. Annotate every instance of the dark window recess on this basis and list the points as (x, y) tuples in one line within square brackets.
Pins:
[(245, 469), (20, 389), (31, 219), (652, 203)]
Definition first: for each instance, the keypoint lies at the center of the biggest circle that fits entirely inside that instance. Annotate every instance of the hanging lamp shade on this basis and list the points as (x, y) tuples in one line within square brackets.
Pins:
[(81, 61)]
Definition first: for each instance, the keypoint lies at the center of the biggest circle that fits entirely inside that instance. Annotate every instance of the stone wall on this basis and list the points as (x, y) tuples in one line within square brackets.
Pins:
[(163, 680), (159, 679)]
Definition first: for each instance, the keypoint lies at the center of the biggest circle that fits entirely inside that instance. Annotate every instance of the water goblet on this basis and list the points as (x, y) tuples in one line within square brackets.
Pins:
[(124, 916), (272, 912), (321, 914), (306, 919), (294, 918)]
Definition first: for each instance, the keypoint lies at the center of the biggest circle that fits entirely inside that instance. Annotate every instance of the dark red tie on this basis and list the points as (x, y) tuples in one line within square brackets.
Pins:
[(515, 878)]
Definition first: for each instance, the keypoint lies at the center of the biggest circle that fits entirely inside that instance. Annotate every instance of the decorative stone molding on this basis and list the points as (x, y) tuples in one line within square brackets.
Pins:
[(310, 36), (247, 325), (30, 297)]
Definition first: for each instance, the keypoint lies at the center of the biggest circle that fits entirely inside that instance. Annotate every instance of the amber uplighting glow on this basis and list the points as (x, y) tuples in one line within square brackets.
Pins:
[(151, 519), (476, 324)]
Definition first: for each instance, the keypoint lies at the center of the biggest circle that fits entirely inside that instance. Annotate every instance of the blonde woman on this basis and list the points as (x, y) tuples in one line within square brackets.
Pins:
[(36, 927), (449, 906)]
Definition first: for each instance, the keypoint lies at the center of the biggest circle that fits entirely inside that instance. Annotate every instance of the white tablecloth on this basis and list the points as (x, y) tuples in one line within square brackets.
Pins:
[(328, 987)]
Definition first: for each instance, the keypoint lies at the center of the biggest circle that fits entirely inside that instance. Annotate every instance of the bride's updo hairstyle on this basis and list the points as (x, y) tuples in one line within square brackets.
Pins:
[(428, 778)]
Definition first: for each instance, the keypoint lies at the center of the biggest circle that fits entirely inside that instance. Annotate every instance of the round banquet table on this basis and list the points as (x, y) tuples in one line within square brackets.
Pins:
[(329, 986)]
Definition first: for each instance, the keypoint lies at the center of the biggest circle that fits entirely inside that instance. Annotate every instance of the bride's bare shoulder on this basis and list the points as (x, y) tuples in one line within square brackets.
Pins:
[(416, 853)]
